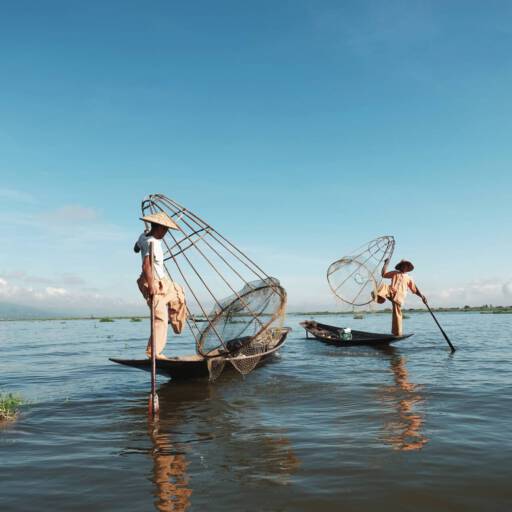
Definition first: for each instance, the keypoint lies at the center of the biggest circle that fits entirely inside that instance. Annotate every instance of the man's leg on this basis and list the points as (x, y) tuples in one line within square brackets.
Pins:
[(381, 294), (143, 287), (160, 327), (396, 324)]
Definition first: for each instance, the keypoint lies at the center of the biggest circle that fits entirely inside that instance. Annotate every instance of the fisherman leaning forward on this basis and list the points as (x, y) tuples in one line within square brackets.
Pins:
[(396, 291), (154, 282)]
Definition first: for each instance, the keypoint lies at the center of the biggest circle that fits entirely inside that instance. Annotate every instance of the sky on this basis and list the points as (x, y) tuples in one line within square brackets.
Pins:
[(298, 129)]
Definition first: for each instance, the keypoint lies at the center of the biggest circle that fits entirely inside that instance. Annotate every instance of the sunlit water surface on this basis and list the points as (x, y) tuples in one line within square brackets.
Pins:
[(321, 428)]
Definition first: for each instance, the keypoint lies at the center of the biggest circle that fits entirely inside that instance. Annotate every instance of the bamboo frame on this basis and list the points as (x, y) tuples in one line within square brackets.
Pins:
[(201, 239), (383, 245)]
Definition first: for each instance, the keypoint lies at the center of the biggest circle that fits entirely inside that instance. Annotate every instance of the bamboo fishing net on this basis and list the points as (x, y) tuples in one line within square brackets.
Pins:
[(353, 278), (236, 311)]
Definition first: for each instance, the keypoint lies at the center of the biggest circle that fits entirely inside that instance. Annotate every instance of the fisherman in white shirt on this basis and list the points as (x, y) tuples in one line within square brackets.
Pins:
[(155, 284)]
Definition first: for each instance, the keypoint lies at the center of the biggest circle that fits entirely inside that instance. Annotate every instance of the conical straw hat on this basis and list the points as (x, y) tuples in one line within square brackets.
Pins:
[(406, 265), (160, 218)]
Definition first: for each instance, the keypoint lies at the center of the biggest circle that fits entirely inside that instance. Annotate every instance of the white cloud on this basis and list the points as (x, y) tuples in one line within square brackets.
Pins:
[(52, 292), (49, 252), (58, 280), (69, 222), (61, 300), (71, 214), (474, 293)]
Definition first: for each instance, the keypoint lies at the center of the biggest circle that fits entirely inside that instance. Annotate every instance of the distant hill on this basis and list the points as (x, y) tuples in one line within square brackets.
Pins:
[(10, 311)]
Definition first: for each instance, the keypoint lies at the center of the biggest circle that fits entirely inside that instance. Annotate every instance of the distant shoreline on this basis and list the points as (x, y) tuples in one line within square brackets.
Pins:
[(495, 310), (70, 318), (465, 309)]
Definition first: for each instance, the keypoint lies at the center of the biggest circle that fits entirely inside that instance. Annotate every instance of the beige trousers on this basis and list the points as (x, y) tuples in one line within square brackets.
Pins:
[(169, 299), (384, 292)]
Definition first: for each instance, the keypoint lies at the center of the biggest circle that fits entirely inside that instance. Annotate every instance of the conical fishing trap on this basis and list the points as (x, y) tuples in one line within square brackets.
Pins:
[(236, 311), (355, 277)]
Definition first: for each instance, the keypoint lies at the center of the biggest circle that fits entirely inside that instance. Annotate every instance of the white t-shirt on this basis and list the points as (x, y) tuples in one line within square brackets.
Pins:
[(158, 254)]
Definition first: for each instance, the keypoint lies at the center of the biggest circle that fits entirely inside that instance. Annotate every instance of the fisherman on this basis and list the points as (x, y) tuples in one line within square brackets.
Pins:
[(395, 292), (156, 286)]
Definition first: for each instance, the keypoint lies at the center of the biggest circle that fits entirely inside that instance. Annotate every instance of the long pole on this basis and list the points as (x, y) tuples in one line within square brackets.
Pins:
[(153, 397), (439, 325)]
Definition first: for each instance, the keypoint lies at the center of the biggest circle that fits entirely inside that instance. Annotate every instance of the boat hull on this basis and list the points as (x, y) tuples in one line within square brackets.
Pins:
[(331, 334), (190, 366)]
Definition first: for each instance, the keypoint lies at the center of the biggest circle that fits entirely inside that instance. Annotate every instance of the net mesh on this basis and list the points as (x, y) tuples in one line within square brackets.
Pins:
[(353, 278), (246, 358), (234, 307)]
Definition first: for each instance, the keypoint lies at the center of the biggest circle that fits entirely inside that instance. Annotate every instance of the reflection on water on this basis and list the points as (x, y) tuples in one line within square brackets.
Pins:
[(247, 449), (404, 431), (282, 461), (169, 472)]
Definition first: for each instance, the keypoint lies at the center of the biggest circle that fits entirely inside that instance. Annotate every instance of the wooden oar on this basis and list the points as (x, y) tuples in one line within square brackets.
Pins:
[(439, 325), (153, 406)]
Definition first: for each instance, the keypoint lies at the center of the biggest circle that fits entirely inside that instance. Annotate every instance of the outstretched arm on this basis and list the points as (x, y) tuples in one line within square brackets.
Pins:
[(384, 272), (414, 289)]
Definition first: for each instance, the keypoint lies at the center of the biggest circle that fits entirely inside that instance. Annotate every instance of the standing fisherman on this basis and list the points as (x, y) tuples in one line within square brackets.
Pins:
[(395, 292), (155, 284)]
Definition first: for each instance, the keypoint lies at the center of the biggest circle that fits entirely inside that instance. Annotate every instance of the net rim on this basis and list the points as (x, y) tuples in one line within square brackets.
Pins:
[(375, 244), (276, 290)]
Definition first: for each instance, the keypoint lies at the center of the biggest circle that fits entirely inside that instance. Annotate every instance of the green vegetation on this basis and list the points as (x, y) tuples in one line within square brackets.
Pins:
[(9, 406), (485, 309), (320, 313), (67, 318)]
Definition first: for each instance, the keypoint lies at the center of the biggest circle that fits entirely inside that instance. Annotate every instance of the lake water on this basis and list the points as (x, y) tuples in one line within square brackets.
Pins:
[(321, 428)]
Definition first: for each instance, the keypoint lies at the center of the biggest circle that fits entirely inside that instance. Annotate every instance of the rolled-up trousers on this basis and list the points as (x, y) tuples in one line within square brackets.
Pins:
[(161, 300), (383, 293)]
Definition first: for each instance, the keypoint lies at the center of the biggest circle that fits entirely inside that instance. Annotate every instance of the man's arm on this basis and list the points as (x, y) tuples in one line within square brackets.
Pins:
[(414, 289), (384, 272)]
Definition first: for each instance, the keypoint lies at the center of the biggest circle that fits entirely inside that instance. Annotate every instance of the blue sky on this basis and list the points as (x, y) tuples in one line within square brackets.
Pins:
[(298, 129)]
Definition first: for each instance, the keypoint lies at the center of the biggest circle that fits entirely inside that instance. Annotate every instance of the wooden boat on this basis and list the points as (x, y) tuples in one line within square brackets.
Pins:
[(331, 334), (195, 366)]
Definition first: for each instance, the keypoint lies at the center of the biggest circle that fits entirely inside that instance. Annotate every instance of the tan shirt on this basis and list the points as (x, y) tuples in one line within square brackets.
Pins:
[(400, 284)]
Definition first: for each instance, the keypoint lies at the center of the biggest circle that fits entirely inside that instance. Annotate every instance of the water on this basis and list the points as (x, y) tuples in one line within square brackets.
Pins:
[(320, 429)]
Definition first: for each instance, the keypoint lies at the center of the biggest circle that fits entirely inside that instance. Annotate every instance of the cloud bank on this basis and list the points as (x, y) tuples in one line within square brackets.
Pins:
[(65, 294)]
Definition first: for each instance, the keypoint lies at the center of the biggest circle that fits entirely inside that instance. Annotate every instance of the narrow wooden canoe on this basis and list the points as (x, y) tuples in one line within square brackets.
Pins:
[(192, 366), (331, 334)]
